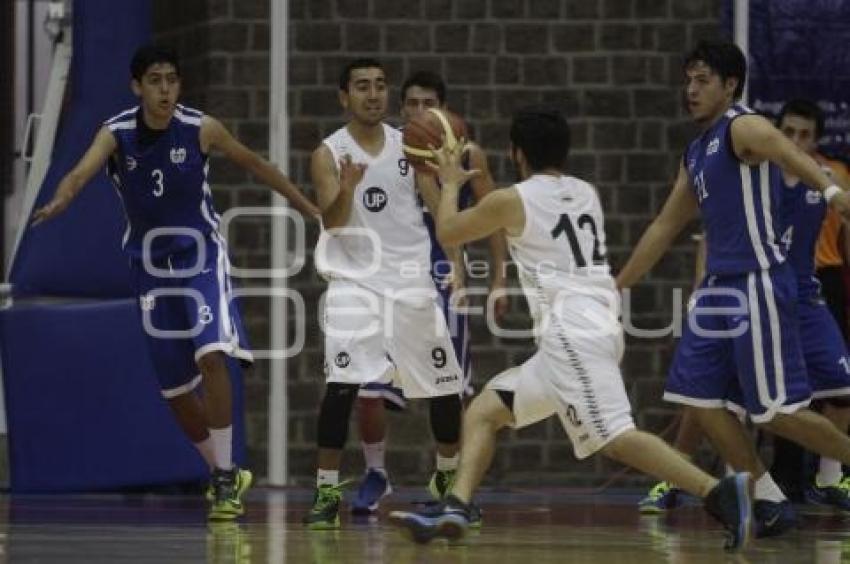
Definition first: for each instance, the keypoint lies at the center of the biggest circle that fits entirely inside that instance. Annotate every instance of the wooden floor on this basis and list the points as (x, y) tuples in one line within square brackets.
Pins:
[(520, 526)]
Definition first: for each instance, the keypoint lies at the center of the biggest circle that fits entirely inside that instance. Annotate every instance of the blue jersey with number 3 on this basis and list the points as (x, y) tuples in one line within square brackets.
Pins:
[(162, 184), (741, 205)]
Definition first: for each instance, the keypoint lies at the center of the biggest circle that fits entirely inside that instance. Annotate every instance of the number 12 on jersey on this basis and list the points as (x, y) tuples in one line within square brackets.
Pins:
[(565, 225)]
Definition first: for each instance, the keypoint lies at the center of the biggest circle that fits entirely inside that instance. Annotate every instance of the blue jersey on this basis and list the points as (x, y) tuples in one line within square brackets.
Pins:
[(803, 211), (162, 184), (440, 264), (740, 204)]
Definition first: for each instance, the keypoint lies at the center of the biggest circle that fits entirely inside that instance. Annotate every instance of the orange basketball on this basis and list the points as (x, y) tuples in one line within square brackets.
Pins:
[(427, 129)]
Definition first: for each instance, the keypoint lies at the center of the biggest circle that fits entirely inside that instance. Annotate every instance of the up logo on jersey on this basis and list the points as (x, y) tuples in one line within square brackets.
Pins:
[(375, 199), (342, 360), (713, 147), (178, 155), (131, 163)]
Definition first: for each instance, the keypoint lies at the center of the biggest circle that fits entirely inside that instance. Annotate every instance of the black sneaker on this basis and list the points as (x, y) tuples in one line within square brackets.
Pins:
[(773, 518), (449, 520), (729, 503)]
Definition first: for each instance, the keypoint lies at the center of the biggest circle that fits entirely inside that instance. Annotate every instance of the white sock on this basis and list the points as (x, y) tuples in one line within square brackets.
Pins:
[(374, 454), (327, 477), (829, 473), (767, 489), (223, 444), (450, 463), (207, 450)]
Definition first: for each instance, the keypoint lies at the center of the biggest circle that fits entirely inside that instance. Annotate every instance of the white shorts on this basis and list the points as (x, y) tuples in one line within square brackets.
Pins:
[(578, 379), (371, 339)]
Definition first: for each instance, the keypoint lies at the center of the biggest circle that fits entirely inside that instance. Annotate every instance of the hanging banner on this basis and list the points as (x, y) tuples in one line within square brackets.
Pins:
[(799, 49)]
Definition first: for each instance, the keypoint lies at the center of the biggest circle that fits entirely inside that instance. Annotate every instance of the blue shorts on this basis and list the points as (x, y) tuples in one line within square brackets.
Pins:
[(458, 324), (824, 350), (187, 310), (741, 345)]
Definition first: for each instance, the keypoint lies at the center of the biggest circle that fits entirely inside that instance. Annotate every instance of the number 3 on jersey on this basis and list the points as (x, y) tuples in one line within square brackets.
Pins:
[(565, 225), (157, 177)]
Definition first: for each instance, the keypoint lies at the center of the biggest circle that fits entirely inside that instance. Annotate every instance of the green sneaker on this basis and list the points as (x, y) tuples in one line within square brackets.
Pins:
[(324, 514), (228, 486), (660, 498), (441, 483)]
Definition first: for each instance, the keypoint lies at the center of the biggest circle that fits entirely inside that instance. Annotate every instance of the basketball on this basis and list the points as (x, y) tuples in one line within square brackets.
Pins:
[(427, 129)]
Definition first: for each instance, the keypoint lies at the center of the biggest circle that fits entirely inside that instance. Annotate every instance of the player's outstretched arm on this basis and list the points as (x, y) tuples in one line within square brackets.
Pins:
[(215, 136), (755, 139), (500, 209), (678, 210), (482, 185), (102, 147)]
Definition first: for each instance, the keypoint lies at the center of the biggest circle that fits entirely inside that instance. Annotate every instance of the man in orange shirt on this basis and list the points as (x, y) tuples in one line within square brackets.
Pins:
[(833, 246)]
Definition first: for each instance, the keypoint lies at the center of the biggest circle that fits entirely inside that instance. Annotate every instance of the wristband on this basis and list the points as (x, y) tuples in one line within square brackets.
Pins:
[(830, 192)]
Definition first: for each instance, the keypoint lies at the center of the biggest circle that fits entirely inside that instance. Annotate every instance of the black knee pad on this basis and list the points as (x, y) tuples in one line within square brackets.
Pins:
[(335, 413), (446, 413)]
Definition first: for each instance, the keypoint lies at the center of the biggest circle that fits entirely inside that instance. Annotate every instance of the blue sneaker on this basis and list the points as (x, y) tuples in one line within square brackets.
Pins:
[(660, 498), (729, 502), (773, 518), (375, 485), (473, 510), (449, 520), (837, 496)]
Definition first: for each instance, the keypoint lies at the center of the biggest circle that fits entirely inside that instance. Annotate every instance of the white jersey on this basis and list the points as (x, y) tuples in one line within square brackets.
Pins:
[(385, 245), (561, 256)]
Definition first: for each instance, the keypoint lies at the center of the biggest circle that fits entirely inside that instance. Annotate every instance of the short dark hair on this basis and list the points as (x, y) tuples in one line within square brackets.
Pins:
[(361, 63), (148, 55), (804, 108), (542, 133), (428, 80), (724, 58)]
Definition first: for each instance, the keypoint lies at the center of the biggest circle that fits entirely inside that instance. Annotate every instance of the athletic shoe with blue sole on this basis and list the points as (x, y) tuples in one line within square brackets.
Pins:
[(448, 520), (729, 502)]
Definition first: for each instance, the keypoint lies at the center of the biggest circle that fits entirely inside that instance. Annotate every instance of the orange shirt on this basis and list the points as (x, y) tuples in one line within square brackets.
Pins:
[(827, 250)]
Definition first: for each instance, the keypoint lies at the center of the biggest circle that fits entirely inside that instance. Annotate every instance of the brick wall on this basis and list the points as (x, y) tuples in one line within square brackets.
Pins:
[(612, 65)]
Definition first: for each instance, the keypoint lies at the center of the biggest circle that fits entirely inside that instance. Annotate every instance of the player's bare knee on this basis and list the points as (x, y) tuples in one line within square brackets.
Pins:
[(369, 405), (490, 409)]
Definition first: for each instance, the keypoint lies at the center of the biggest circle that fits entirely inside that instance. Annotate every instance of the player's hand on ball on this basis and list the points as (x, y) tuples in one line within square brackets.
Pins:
[(448, 165), (350, 173)]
